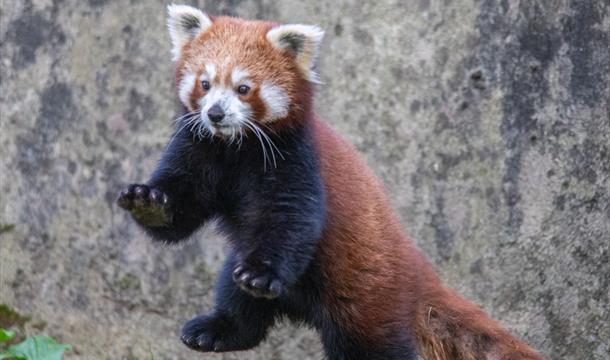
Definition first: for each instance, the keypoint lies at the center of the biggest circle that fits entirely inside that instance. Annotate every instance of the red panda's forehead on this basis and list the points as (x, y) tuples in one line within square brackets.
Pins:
[(231, 44)]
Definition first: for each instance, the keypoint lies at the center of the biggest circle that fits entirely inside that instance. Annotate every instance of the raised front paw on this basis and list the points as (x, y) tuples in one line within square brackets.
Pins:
[(148, 206), (258, 279)]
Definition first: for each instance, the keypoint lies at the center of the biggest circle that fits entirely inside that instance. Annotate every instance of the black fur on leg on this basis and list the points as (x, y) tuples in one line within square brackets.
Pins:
[(238, 322), (273, 217)]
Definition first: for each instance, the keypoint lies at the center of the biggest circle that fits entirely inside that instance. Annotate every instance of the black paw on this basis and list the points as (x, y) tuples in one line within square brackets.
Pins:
[(148, 205), (258, 280), (210, 333)]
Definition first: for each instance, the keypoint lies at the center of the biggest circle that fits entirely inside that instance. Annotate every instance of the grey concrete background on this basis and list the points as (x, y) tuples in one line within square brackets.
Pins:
[(488, 121)]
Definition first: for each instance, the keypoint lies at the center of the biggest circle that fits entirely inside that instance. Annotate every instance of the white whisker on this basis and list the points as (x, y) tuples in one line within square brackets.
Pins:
[(192, 117), (186, 115), (272, 146), (256, 132)]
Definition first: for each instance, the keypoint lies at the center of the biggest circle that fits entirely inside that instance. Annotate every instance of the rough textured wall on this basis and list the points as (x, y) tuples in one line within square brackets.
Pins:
[(488, 121)]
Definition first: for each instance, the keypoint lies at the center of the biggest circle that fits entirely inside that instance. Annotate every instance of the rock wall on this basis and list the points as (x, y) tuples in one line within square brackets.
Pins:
[(488, 121)]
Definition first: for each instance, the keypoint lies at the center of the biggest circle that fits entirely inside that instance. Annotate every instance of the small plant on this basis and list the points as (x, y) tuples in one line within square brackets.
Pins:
[(32, 348)]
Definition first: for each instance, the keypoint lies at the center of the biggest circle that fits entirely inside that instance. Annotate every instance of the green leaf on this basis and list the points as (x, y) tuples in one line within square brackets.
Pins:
[(6, 335), (36, 348), (7, 355)]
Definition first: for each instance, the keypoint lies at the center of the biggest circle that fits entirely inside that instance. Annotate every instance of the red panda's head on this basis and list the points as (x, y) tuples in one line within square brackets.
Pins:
[(232, 73)]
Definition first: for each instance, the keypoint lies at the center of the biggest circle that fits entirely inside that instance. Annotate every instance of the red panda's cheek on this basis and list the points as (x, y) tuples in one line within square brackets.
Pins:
[(195, 97), (256, 104), (185, 87), (189, 90), (275, 101)]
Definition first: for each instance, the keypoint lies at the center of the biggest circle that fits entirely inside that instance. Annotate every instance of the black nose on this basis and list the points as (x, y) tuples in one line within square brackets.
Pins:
[(216, 114)]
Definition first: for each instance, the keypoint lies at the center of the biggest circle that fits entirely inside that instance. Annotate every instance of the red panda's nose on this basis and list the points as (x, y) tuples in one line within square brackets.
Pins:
[(216, 113)]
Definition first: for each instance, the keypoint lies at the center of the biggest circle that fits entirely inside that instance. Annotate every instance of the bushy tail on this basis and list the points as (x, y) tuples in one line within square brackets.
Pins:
[(450, 328)]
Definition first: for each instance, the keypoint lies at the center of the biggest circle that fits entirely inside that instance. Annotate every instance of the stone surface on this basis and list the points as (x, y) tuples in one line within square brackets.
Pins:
[(488, 121)]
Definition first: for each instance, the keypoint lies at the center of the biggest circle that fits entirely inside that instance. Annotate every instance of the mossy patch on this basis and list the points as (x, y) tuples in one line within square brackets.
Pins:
[(10, 318), (128, 282), (6, 228)]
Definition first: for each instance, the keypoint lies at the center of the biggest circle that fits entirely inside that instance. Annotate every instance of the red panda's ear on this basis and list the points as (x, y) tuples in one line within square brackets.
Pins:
[(184, 23), (301, 40)]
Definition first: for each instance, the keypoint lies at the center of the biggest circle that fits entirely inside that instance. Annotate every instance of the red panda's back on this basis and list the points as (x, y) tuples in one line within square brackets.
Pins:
[(363, 251), (377, 280)]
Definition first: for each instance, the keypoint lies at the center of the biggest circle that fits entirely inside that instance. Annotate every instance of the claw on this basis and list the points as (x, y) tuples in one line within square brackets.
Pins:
[(258, 281), (140, 191), (244, 277), (237, 272), (275, 288), (124, 201), (154, 195)]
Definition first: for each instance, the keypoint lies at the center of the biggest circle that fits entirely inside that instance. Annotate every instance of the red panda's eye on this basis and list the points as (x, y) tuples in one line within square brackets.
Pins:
[(243, 89), (205, 85)]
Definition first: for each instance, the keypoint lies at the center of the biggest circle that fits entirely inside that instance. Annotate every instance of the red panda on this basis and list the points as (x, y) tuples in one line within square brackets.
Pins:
[(311, 231)]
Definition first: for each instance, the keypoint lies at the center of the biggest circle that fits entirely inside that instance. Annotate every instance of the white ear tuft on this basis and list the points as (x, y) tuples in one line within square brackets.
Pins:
[(184, 23), (301, 40)]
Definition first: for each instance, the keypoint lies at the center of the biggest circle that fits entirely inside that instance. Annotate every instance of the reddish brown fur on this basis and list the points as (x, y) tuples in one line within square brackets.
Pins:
[(243, 44), (375, 278)]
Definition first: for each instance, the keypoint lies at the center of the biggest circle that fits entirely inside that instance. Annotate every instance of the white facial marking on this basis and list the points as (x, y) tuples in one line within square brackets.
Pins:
[(276, 100), (239, 77), (236, 111), (210, 72), (216, 95), (186, 87)]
